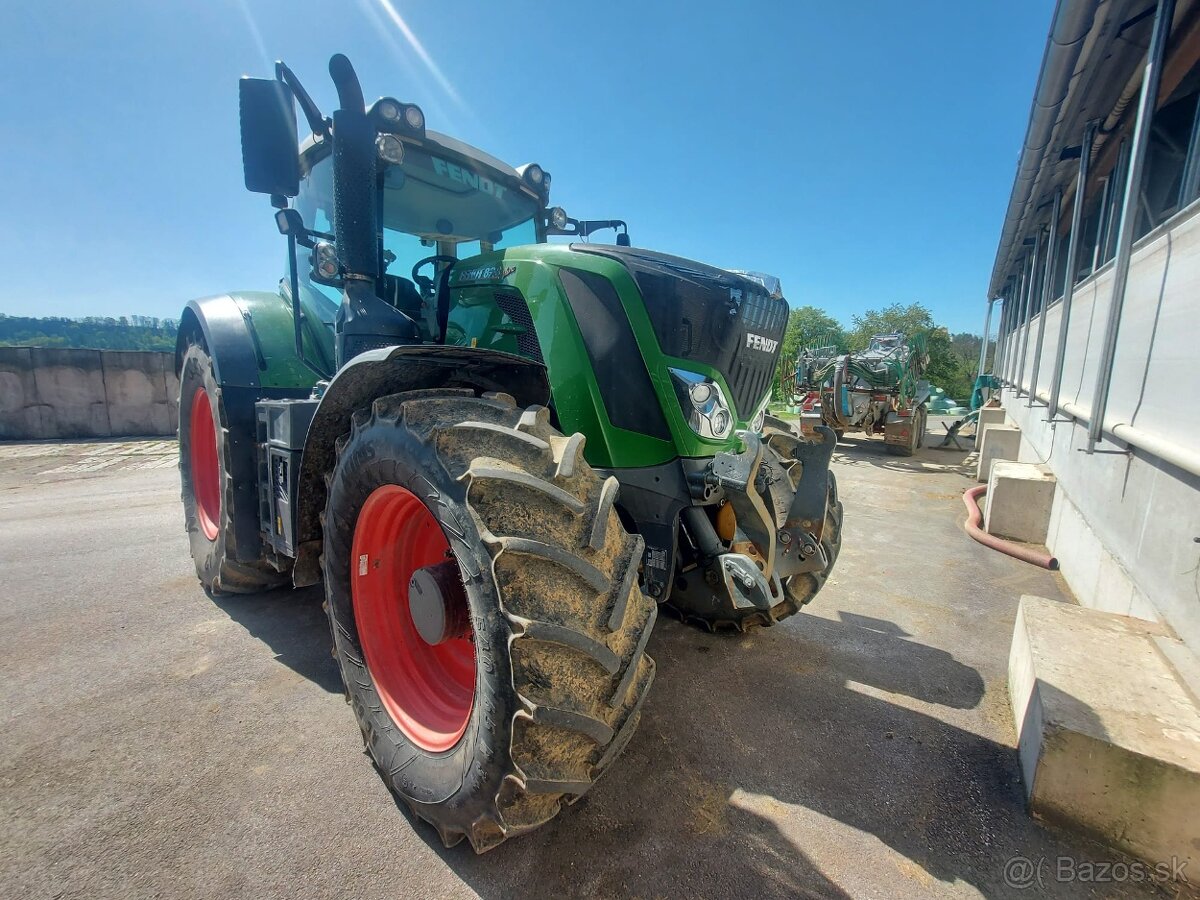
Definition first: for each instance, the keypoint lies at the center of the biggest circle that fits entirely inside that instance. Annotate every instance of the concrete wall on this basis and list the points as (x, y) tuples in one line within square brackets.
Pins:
[(61, 393), (1125, 524)]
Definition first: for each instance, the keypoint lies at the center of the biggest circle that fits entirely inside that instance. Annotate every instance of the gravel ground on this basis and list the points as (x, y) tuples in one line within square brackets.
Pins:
[(156, 743)]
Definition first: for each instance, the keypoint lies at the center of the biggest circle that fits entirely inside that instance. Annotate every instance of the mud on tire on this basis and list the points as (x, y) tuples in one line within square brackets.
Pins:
[(550, 574), (212, 539)]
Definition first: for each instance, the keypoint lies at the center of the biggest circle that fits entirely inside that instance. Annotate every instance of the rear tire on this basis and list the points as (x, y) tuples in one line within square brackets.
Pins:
[(207, 491), (554, 613), (916, 435)]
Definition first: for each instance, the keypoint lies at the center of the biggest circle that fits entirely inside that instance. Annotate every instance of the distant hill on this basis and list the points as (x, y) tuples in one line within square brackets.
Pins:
[(91, 333)]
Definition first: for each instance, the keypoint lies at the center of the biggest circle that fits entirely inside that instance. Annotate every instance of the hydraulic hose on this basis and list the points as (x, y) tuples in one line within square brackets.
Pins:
[(1017, 551)]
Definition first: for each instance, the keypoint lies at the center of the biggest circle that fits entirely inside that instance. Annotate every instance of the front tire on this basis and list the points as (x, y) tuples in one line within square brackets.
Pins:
[(546, 684), (207, 490)]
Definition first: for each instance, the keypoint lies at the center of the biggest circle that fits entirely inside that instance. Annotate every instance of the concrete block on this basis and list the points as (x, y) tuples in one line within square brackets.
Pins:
[(988, 415), (1019, 499), (1108, 731), (56, 392), (136, 390), (999, 442), (70, 388)]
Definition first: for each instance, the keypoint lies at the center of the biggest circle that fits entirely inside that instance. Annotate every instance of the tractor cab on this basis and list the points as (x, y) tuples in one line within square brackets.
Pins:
[(437, 200)]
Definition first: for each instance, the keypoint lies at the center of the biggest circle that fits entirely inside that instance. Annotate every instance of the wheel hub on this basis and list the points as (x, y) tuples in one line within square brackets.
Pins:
[(438, 604)]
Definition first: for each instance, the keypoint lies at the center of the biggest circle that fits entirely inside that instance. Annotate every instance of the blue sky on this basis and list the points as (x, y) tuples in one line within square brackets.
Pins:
[(863, 152)]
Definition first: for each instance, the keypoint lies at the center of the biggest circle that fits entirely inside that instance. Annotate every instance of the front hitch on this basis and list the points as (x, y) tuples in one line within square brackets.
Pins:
[(803, 526), (778, 492)]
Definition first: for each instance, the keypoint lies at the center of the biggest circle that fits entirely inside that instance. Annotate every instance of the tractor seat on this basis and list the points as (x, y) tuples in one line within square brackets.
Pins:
[(402, 294)]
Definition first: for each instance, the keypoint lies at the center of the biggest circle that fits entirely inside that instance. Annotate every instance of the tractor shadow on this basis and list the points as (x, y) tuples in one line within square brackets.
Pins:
[(293, 625), (758, 754)]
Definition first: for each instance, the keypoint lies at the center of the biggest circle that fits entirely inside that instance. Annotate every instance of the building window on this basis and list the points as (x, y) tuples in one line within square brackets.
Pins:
[(1170, 156)]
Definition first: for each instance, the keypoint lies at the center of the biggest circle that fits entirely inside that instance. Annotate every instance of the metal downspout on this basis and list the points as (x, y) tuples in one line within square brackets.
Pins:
[(1047, 287), (1027, 307), (1163, 15), (1089, 137)]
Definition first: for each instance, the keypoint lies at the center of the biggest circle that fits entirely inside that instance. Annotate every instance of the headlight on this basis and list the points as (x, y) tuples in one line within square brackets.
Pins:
[(703, 404), (414, 117), (558, 217), (391, 149), (534, 174), (760, 417), (325, 263)]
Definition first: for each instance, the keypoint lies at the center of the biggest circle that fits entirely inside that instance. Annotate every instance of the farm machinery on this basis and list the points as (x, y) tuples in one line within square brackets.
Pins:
[(500, 455), (879, 390)]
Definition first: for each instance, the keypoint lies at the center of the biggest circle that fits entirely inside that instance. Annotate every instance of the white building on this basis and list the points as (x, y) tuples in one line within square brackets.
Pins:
[(1098, 277), (1108, 401)]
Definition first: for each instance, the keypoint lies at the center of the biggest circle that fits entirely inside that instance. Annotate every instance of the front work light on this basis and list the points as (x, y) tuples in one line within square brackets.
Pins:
[(703, 404), (389, 110), (391, 148)]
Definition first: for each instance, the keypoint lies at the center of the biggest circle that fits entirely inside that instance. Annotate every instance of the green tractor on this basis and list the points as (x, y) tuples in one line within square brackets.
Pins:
[(500, 455)]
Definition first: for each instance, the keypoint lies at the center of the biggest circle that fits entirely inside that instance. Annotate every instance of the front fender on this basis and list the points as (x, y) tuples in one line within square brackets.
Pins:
[(393, 370)]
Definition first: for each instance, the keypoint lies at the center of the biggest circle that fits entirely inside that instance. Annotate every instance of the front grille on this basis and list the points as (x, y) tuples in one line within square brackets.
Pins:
[(708, 315), (751, 370), (513, 305)]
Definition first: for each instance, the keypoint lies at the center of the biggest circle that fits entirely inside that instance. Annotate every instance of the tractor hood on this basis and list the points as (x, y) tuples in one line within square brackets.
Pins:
[(708, 315)]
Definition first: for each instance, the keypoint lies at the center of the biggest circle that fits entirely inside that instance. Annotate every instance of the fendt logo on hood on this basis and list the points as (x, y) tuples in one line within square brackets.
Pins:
[(758, 342)]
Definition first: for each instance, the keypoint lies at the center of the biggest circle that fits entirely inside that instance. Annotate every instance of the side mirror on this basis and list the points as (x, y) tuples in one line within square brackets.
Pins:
[(623, 239), (270, 148)]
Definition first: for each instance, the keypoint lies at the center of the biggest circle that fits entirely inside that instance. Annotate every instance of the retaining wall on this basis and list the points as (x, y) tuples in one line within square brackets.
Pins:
[(48, 393)]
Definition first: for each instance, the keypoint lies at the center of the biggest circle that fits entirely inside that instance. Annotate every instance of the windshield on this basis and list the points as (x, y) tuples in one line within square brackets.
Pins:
[(430, 205)]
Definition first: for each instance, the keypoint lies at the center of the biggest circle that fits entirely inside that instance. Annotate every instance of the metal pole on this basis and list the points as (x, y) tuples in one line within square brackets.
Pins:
[(1133, 182), (1089, 137), (998, 356), (1047, 290), (1027, 307), (1010, 345), (987, 326), (1001, 363)]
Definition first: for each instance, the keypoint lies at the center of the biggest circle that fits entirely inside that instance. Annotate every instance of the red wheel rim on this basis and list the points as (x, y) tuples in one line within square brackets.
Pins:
[(206, 470), (427, 689)]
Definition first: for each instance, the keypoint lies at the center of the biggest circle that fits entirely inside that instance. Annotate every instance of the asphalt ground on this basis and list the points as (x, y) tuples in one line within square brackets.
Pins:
[(158, 743)]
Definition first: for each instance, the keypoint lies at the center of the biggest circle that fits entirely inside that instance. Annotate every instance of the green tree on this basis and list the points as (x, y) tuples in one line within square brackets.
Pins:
[(897, 317), (807, 327), (89, 333)]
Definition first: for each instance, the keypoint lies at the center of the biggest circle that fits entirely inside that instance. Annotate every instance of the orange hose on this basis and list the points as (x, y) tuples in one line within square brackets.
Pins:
[(1017, 551)]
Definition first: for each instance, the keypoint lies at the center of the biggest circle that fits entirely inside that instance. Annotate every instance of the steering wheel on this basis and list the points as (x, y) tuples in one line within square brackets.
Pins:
[(426, 284)]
